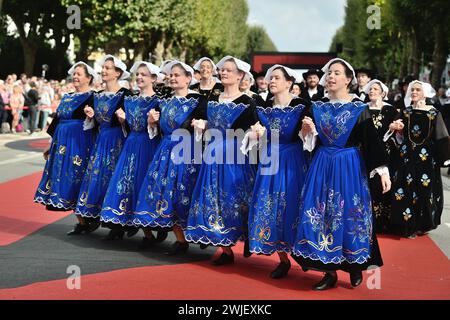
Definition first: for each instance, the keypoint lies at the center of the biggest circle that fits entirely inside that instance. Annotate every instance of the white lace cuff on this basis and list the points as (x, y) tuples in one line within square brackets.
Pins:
[(383, 170), (88, 124), (399, 137), (309, 141), (387, 135), (152, 131), (248, 142)]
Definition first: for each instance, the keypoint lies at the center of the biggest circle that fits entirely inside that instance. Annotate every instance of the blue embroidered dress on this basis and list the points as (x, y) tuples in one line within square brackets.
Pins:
[(105, 154), (68, 156), (165, 195), (137, 153), (334, 226), (222, 194), (276, 196)]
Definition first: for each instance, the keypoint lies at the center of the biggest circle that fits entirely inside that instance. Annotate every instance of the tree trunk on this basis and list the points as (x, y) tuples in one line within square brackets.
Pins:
[(61, 49), (439, 55), (159, 50), (150, 47), (139, 52), (82, 54), (415, 55), (405, 61), (29, 55), (168, 50)]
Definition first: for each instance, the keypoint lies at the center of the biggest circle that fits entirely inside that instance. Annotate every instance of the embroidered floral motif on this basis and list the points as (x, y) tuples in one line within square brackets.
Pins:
[(409, 179), (399, 194), (403, 150), (174, 111), (327, 217), (416, 131), (77, 161), (432, 114), (377, 120), (334, 120), (362, 224), (222, 115), (69, 103), (415, 197), (125, 184), (423, 154), (105, 106), (407, 214), (425, 180)]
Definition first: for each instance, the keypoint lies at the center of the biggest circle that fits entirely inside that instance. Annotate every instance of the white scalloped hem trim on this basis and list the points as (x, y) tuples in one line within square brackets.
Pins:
[(138, 223), (183, 100), (335, 260), (274, 109), (143, 98), (229, 104), (87, 214), (107, 94), (56, 205), (339, 104), (205, 240), (260, 250), (114, 220)]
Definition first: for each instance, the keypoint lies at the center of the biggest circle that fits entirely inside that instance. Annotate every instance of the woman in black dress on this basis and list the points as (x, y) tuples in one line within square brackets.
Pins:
[(383, 114), (208, 86), (424, 147)]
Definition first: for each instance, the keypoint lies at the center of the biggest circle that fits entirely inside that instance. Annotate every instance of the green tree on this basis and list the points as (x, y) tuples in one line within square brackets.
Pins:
[(38, 22), (413, 34), (258, 40)]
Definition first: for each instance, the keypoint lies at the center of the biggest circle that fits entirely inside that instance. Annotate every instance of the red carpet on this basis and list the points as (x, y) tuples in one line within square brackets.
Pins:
[(19, 215), (414, 269), (40, 144)]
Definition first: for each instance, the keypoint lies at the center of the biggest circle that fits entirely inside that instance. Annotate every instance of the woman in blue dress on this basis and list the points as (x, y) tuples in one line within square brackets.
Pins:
[(69, 151), (165, 195), (223, 191), (137, 153), (276, 196), (109, 142), (335, 223)]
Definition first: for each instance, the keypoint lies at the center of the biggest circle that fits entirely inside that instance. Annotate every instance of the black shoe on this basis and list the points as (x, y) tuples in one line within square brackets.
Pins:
[(93, 226), (281, 270), (224, 259), (132, 232), (203, 246), (161, 235), (78, 229), (147, 243), (356, 278), (178, 248), (247, 252), (113, 234), (327, 282)]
